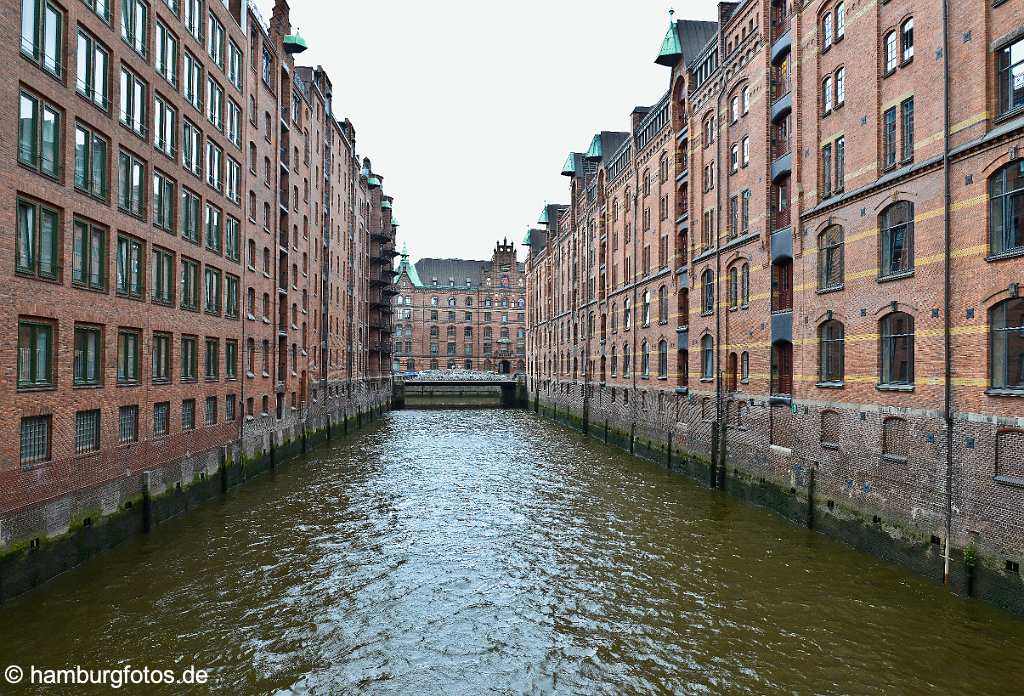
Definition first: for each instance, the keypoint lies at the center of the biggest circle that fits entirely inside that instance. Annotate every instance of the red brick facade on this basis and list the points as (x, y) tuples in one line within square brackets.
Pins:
[(809, 146), (196, 251)]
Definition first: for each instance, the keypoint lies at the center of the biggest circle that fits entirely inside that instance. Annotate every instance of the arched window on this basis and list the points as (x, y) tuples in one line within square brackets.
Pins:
[(745, 285), (894, 439), (907, 39), (707, 358), (646, 310), (433, 332), (663, 305), (615, 360), (889, 52), (1006, 209), (731, 372), (625, 361), (662, 358), (451, 301), (897, 338), (831, 352), (734, 288), (645, 360), (782, 368), (826, 32), (830, 258), (625, 314), (707, 292), (896, 236), (1006, 321), (745, 367)]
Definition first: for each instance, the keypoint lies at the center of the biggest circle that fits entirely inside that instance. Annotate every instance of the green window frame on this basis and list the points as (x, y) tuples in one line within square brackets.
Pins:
[(92, 156), (163, 277), (87, 431), (42, 35), (161, 358), (163, 202), (188, 358), (161, 418), (189, 284), (129, 342), (232, 238), (131, 189), (89, 256), (129, 267), (35, 439), (212, 362), (190, 215), (214, 224), (93, 65), (188, 414), (230, 359), (135, 25), (231, 299), (133, 102), (39, 135), (211, 410), (211, 290), (165, 127), (38, 243), (88, 360), (35, 354)]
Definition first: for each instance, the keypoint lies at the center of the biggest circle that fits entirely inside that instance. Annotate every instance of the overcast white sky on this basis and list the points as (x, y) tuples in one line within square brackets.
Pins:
[(469, 108)]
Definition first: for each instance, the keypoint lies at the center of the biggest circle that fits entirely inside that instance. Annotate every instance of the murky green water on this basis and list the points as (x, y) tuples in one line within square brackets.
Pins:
[(465, 552)]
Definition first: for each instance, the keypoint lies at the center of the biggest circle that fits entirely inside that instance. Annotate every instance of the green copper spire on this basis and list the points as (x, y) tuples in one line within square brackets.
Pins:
[(526, 239), (405, 267), (385, 204), (373, 182), (543, 220), (595, 152), (569, 168), (394, 220), (294, 43), (671, 48)]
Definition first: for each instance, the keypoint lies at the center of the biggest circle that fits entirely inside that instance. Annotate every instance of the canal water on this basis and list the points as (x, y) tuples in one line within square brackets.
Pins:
[(468, 552)]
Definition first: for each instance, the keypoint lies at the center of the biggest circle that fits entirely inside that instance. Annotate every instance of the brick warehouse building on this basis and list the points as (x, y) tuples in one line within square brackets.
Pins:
[(851, 235), (201, 261), (459, 313)]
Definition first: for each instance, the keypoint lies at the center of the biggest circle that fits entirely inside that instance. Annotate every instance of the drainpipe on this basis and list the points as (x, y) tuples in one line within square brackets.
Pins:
[(946, 293), (718, 453)]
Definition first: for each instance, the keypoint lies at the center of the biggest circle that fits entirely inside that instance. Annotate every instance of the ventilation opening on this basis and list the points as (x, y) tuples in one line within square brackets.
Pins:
[(935, 540), (1011, 567), (177, 486), (34, 544), (202, 475), (87, 522), (792, 491), (831, 505), (128, 505), (876, 519)]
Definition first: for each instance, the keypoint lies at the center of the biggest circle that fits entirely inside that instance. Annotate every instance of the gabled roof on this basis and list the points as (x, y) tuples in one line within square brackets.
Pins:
[(407, 268)]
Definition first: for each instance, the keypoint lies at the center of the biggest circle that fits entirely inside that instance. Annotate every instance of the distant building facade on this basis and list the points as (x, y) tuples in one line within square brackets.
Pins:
[(461, 314)]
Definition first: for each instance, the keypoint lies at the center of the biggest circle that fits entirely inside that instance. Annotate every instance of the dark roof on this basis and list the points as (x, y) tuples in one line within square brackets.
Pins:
[(694, 35), (457, 269)]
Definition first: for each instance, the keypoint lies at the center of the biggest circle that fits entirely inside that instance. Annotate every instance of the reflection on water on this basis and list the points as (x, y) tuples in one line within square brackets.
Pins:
[(489, 551)]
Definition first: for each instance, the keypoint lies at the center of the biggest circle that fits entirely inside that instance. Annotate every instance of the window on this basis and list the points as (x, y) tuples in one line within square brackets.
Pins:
[(214, 228), (89, 256), (129, 266), (1006, 321), (235, 124), (189, 358), (840, 87), (234, 181), (88, 360), (87, 431), (897, 337), (35, 439), (645, 360), (896, 225), (166, 58), (38, 243), (161, 418), (782, 285), (230, 359), (192, 148), (131, 185), (745, 367), (165, 127), (907, 127), (746, 99), (826, 171), (193, 72), (745, 285), (211, 291), (1006, 209), (211, 410), (189, 215), (267, 71), (826, 96), (128, 347), (707, 292), (39, 136), (134, 24), (840, 21), (192, 16), (733, 287), (212, 364), (746, 150), (646, 308), (91, 160), (663, 305), (894, 439), (889, 138), (215, 43), (830, 258), (840, 157), (214, 165), (189, 284), (42, 35), (234, 65), (93, 64), (231, 239), (707, 350), (831, 352), (734, 158), (782, 368), (161, 358), (163, 276), (826, 32), (734, 109), (215, 103), (188, 414), (890, 52), (662, 358), (1010, 83), (133, 102), (164, 199), (907, 40)]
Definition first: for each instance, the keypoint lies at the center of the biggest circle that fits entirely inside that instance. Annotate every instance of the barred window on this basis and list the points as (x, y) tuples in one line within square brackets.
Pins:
[(128, 424), (211, 410), (87, 431), (229, 401), (161, 418), (35, 439), (188, 414)]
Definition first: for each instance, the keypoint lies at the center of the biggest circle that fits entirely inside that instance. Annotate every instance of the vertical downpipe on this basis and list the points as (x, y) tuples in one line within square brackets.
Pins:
[(947, 294), (810, 497)]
